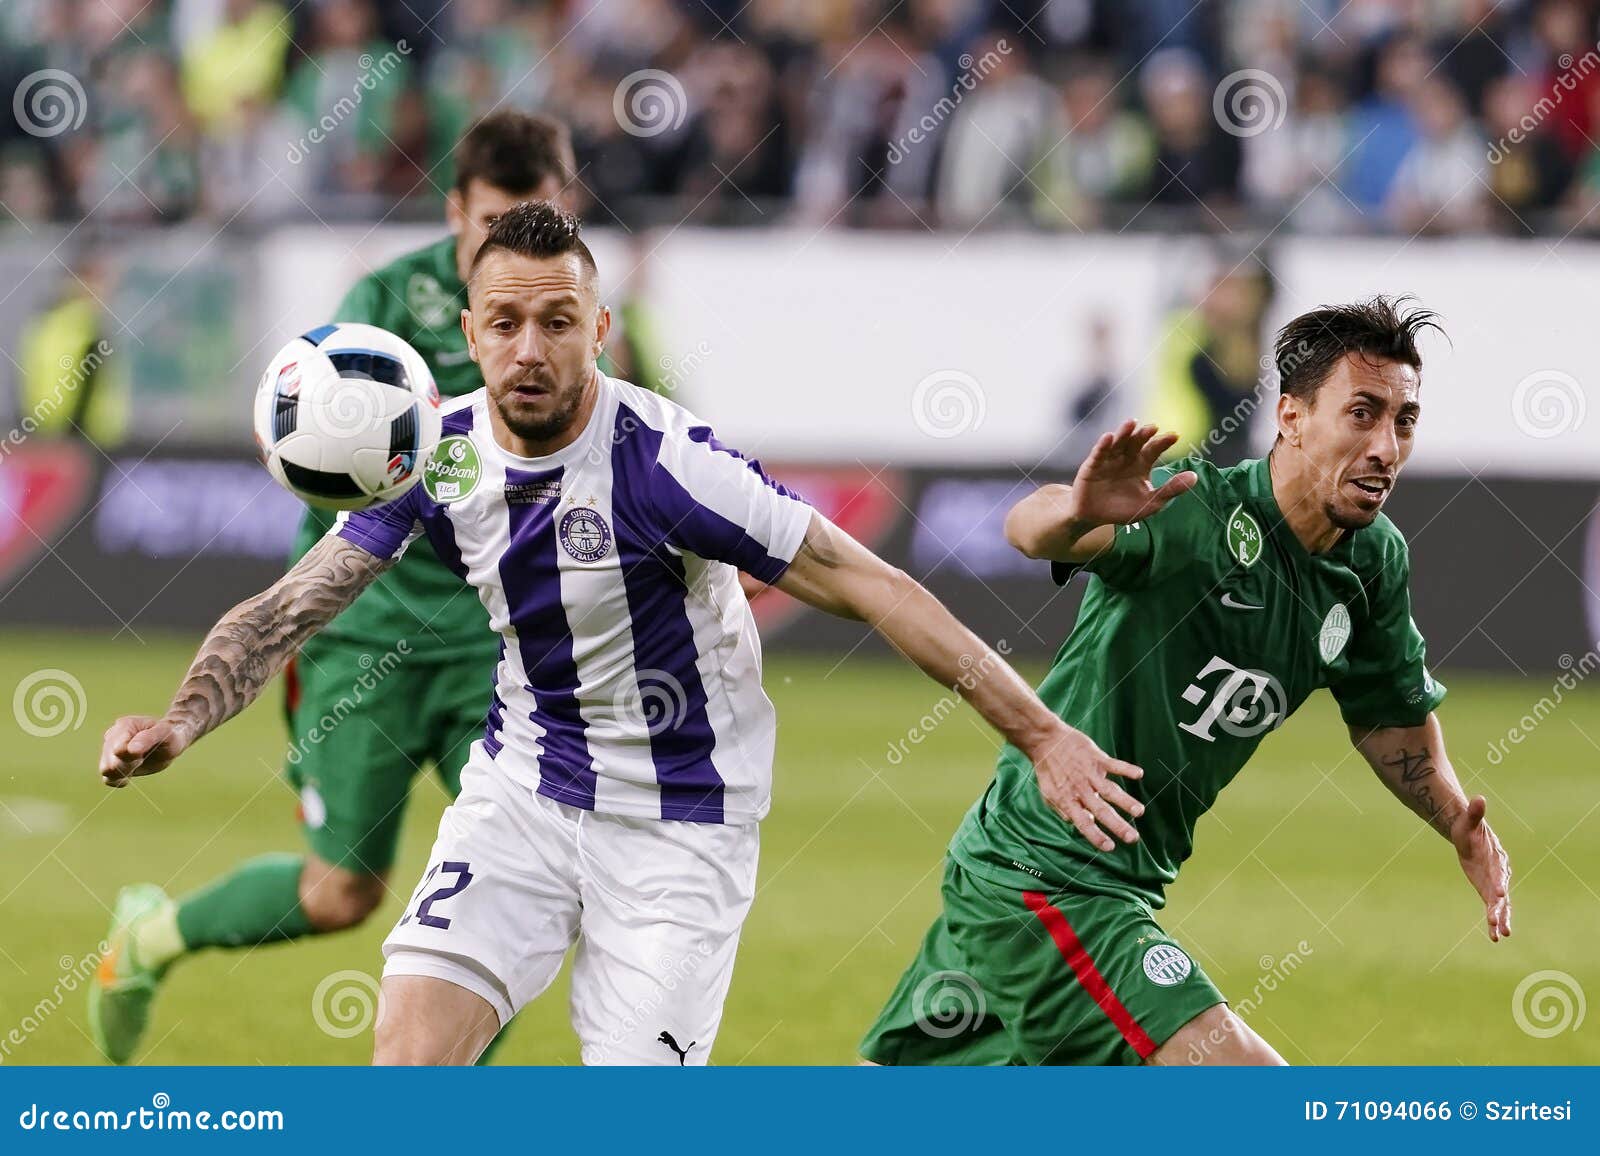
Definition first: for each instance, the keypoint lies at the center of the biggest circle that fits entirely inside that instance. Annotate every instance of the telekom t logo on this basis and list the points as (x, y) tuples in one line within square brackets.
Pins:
[(1245, 703)]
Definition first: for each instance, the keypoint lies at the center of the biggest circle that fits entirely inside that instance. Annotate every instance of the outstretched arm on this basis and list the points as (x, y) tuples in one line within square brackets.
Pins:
[(1412, 763), (251, 643), (834, 572), (1076, 523)]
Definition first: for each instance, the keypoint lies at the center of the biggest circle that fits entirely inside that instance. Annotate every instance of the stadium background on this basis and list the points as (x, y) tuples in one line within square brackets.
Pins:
[(914, 255)]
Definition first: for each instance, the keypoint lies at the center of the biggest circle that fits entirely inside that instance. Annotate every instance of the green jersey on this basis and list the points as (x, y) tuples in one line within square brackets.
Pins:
[(418, 297), (1203, 628)]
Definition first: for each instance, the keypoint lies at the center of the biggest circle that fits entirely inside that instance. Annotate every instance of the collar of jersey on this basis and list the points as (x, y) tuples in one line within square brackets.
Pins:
[(1265, 503), (566, 455)]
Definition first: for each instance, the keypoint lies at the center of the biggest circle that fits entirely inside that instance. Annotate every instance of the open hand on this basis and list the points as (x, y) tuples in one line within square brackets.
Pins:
[(1075, 778), (1113, 484), (1485, 864)]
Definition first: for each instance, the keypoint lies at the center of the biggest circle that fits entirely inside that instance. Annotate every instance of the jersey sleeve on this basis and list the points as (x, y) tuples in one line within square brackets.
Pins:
[(1387, 681), (714, 502), (384, 530), (1143, 553)]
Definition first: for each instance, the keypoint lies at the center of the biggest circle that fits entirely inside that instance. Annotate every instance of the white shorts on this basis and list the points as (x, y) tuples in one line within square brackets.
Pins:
[(655, 907)]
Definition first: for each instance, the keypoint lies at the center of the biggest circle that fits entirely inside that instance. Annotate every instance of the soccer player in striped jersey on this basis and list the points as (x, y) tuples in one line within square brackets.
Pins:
[(614, 797)]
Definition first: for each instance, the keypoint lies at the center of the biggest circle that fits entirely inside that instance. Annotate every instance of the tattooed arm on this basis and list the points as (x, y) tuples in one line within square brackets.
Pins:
[(834, 572), (1412, 763), (252, 643)]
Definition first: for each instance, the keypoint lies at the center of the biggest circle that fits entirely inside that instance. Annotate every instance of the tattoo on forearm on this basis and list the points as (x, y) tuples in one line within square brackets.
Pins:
[(1415, 769), (255, 639)]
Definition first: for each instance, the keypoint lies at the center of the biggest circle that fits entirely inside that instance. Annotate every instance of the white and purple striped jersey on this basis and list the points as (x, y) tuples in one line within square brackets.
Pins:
[(629, 679)]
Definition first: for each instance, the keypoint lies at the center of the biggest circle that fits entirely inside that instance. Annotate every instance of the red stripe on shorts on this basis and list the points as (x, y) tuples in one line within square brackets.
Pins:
[(1072, 950)]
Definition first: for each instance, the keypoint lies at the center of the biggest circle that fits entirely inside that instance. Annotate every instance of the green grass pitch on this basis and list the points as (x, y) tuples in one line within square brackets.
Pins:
[(1305, 847)]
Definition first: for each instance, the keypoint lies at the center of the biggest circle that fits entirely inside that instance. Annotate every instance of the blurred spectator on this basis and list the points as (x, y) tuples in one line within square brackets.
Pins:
[(1197, 162), (1437, 188), (876, 113), (1528, 170), (994, 136), (70, 384), (1098, 153)]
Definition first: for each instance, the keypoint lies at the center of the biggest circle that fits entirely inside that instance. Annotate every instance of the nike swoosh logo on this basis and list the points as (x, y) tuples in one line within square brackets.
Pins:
[(1227, 600)]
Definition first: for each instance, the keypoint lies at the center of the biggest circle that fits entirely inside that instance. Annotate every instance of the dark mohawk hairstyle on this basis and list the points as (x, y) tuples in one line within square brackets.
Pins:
[(1380, 327), (536, 229)]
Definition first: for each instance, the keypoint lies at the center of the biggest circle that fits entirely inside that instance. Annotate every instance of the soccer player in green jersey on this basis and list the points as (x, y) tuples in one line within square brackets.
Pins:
[(361, 722), (1219, 600)]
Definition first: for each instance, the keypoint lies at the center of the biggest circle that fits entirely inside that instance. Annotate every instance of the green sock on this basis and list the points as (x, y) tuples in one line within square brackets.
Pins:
[(258, 902)]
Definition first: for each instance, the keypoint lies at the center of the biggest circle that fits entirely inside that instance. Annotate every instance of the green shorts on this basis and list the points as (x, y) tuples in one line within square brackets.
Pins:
[(1022, 977), (363, 720)]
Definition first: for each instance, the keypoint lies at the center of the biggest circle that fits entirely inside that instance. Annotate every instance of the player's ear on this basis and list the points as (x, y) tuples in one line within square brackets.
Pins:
[(466, 328), (455, 213), (1291, 418), (602, 328)]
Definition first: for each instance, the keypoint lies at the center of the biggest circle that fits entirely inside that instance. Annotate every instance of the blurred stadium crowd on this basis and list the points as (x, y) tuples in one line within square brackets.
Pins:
[(1442, 116)]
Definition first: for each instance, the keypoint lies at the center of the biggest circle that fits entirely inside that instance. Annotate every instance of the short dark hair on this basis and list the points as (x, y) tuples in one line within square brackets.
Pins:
[(514, 151), (1382, 328), (536, 229)]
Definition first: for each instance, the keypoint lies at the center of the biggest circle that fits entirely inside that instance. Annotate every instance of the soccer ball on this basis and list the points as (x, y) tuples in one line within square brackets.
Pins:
[(346, 415)]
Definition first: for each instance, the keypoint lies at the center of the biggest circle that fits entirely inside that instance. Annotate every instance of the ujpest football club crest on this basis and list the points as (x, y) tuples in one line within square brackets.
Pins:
[(453, 471), (584, 534)]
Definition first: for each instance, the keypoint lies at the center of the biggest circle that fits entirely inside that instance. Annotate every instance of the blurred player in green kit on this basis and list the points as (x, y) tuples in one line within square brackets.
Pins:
[(400, 682), (1220, 599)]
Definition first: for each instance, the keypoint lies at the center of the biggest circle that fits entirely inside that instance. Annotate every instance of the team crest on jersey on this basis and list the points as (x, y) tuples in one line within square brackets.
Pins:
[(453, 471), (584, 534), (1166, 965), (1335, 633), (1244, 536), (428, 301)]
